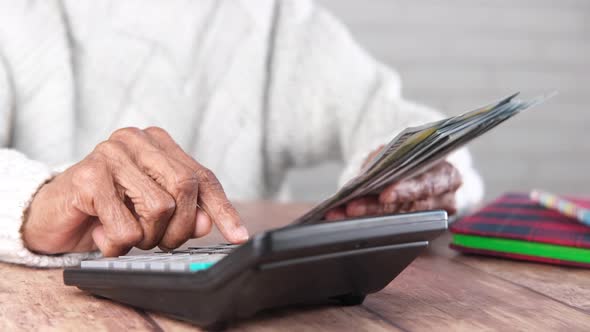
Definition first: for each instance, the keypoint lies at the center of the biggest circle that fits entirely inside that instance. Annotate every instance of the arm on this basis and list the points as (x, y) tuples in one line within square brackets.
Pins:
[(328, 99), (136, 189)]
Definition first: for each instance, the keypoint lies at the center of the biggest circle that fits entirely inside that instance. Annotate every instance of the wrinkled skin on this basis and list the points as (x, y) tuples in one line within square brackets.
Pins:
[(137, 189), (434, 189)]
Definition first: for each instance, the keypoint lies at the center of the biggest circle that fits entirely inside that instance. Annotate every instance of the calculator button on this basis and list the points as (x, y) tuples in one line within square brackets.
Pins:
[(178, 266), (139, 265), (104, 263), (158, 266), (144, 263), (122, 264), (199, 266)]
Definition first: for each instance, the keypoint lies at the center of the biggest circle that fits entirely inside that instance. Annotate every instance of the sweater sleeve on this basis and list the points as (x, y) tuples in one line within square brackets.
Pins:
[(20, 178), (329, 99)]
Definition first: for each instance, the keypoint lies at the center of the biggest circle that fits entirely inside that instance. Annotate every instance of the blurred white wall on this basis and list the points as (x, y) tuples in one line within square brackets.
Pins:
[(458, 54)]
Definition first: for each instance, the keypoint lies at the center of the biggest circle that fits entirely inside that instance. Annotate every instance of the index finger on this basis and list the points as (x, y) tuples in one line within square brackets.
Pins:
[(211, 197)]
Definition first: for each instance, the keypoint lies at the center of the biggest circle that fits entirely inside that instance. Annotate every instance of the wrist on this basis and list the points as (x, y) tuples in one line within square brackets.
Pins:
[(29, 230)]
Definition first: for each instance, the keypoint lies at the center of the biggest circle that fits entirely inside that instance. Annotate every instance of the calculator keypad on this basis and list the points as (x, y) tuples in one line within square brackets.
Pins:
[(193, 259)]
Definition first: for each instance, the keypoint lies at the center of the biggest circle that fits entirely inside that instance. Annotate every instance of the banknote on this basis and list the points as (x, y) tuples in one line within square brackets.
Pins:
[(417, 149)]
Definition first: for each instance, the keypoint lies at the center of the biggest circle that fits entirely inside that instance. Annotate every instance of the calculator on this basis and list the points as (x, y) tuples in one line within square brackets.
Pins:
[(337, 262)]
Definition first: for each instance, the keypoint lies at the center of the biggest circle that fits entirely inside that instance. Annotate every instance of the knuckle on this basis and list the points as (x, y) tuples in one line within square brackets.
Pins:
[(147, 243), (156, 131), (161, 208), (132, 238), (88, 174), (125, 133), (186, 182), (109, 148), (224, 207), (129, 236), (389, 208), (206, 176)]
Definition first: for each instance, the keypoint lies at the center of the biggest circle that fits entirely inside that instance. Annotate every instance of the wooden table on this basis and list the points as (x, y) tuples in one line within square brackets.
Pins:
[(439, 291)]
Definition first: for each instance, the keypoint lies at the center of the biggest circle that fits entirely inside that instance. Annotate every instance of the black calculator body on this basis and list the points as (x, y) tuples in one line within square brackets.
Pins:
[(298, 264)]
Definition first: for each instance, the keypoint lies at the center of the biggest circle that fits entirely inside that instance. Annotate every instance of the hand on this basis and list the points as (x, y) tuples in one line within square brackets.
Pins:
[(138, 188), (433, 189)]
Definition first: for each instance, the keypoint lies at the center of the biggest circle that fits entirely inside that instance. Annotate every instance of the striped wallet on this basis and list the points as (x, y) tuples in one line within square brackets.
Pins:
[(513, 226)]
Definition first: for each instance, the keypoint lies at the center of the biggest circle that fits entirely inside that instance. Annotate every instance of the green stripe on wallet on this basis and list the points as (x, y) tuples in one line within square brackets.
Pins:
[(580, 255)]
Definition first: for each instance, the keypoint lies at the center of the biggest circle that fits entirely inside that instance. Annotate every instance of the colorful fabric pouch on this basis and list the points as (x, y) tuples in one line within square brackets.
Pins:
[(513, 226)]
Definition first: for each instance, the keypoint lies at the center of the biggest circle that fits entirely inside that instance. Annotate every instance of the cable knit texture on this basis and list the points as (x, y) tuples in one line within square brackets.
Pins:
[(250, 88)]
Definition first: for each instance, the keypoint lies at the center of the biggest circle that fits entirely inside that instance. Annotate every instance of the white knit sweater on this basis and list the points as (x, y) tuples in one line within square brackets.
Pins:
[(250, 88)]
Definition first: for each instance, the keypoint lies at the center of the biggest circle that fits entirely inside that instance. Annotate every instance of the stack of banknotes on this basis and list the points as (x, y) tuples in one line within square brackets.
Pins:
[(417, 149)]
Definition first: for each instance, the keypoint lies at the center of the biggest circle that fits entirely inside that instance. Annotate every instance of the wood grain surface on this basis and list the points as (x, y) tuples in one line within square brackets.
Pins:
[(440, 291)]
